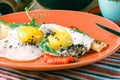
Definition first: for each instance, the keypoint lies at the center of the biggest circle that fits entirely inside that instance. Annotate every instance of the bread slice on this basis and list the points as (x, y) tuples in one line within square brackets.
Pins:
[(98, 45)]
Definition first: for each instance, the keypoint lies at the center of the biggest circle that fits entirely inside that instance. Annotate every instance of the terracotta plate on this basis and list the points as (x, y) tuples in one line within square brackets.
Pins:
[(84, 21)]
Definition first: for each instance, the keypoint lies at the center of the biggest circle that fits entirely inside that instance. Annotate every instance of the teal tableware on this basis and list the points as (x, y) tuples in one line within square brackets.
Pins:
[(110, 9)]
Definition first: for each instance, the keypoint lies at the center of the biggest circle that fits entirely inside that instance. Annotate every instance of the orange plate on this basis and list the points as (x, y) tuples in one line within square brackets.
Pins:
[(84, 21)]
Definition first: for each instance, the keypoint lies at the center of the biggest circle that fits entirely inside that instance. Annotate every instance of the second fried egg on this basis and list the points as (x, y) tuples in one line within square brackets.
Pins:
[(14, 47)]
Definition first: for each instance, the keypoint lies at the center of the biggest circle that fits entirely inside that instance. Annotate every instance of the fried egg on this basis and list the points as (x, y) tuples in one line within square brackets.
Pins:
[(73, 37), (22, 44)]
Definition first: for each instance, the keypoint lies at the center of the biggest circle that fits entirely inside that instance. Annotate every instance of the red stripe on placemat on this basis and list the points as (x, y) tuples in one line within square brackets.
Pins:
[(115, 56), (31, 73), (39, 74)]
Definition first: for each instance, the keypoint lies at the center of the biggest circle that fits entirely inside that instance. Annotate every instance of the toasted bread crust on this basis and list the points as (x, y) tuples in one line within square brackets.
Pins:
[(98, 45)]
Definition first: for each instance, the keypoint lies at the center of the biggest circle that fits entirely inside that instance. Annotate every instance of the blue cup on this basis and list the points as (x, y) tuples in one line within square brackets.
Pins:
[(110, 9)]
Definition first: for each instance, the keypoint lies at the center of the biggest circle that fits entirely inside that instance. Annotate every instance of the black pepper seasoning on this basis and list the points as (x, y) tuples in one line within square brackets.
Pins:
[(11, 46)]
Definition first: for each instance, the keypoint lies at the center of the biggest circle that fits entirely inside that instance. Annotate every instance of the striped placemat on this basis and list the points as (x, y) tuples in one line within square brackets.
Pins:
[(106, 69)]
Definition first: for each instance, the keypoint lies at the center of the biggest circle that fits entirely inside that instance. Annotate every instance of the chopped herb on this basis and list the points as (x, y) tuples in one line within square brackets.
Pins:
[(57, 38), (32, 36), (52, 33), (13, 25), (11, 46), (32, 51), (18, 43), (6, 41), (73, 50)]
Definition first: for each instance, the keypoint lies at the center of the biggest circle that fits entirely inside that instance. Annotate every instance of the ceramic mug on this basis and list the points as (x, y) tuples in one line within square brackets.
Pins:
[(110, 9), (10, 6)]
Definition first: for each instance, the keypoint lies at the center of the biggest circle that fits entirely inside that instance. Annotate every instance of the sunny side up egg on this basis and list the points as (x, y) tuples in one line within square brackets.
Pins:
[(66, 38), (18, 45)]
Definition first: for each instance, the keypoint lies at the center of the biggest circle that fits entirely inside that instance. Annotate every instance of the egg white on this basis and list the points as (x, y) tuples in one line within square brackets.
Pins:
[(12, 48)]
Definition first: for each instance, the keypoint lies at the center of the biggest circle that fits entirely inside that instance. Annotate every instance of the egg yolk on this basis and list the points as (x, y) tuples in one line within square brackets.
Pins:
[(59, 38), (29, 34)]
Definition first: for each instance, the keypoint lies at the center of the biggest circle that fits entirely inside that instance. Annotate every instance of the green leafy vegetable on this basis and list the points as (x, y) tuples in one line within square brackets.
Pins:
[(32, 23), (32, 20), (13, 25), (10, 25), (43, 45), (26, 9), (27, 12), (2, 21)]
